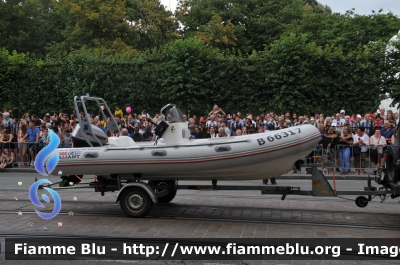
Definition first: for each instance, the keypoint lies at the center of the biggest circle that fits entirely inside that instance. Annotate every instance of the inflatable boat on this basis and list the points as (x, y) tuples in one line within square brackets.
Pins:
[(174, 156)]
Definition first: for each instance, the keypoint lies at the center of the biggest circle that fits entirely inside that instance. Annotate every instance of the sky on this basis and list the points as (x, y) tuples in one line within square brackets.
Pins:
[(363, 7)]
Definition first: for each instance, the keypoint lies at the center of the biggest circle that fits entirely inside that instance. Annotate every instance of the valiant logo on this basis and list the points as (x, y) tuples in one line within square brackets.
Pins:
[(69, 154)]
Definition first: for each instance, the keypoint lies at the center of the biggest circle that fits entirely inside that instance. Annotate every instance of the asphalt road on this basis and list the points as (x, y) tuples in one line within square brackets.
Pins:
[(201, 214)]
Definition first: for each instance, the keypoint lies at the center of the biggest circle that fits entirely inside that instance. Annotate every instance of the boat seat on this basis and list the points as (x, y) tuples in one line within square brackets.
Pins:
[(121, 141)]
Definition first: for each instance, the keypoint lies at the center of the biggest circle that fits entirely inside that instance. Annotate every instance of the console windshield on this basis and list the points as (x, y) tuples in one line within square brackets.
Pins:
[(174, 115)]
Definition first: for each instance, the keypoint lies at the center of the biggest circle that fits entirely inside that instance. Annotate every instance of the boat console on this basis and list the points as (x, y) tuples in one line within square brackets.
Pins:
[(173, 128)]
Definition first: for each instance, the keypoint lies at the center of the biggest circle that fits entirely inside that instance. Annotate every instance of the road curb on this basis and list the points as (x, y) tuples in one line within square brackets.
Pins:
[(18, 170), (339, 177)]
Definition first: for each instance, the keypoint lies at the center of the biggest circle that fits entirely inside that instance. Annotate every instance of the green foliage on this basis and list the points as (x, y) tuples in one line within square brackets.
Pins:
[(254, 22), (289, 75), (154, 25), (250, 56)]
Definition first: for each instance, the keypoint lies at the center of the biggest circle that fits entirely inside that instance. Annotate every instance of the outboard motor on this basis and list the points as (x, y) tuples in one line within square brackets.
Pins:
[(79, 140)]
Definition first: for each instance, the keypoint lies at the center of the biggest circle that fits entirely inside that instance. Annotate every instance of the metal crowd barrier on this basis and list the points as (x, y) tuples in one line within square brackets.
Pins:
[(19, 152), (345, 157)]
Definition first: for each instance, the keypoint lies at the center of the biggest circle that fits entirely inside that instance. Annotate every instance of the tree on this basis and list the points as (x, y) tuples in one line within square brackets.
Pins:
[(217, 33), (345, 30), (96, 24), (391, 73), (153, 23), (255, 22), (23, 25)]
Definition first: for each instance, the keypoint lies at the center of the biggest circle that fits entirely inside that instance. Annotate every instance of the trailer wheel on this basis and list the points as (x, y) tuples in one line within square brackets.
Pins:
[(361, 201), (392, 155), (135, 202), (169, 196)]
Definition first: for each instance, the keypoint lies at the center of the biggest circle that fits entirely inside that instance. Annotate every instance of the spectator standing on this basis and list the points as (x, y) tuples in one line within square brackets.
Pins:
[(137, 137), (339, 122), (250, 116), (33, 134), (130, 125), (282, 125), (212, 133), (7, 121), (58, 132), (320, 121), (6, 139), (347, 122), (378, 122), (356, 123), (361, 140), (147, 135), (221, 133), (367, 124), (342, 114), (377, 142), (44, 139), (36, 120), (22, 139), (227, 131), (118, 111), (294, 117), (215, 111), (124, 132), (387, 132), (345, 140), (249, 125), (329, 142), (237, 124), (212, 122), (390, 119), (203, 132), (196, 123), (67, 139), (382, 113)]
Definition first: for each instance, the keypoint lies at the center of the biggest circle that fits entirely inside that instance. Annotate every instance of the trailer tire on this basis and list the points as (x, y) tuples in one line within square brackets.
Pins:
[(361, 201), (392, 174), (170, 195), (135, 202)]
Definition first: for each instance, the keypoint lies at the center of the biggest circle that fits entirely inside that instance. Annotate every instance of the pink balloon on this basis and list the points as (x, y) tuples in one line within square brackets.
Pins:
[(128, 109)]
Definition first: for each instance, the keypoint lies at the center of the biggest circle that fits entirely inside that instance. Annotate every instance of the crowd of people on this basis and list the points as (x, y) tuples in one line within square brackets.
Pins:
[(342, 135)]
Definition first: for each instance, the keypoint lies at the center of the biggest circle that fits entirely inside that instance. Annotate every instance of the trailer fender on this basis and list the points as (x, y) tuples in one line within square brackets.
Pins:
[(142, 185)]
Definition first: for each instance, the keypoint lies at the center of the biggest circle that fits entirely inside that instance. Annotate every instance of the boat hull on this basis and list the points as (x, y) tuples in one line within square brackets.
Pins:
[(257, 156)]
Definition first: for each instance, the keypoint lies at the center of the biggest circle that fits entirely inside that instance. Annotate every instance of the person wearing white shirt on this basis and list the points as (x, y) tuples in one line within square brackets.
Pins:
[(361, 140), (377, 143), (212, 122), (342, 114)]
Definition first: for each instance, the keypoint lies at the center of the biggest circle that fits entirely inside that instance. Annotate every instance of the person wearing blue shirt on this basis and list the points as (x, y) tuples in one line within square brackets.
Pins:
[(193, 133), (387, 132), (367, 123), (33, 134)]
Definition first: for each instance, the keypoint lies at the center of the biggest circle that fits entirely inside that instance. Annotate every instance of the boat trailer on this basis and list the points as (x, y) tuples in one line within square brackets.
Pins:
[(136, 197)]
